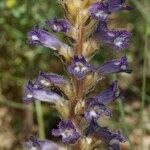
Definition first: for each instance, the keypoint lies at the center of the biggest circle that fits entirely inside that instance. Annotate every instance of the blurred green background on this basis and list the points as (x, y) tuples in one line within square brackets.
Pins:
[(20, 62)]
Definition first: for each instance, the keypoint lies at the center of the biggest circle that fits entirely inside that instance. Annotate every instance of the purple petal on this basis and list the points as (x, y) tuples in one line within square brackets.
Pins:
[(34, 91), (117, 5), (68, 132), (95, 110), (109, 95), (99, 11), (60, 25), (42, 37), (109, 136), (115, 66), (117, 39), (42, 144), (46, 79), (80, 67)]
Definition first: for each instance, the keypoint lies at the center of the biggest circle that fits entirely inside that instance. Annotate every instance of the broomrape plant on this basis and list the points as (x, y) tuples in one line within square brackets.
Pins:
[(85, 24)]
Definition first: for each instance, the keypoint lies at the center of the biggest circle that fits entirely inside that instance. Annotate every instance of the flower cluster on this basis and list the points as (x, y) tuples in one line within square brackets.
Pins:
[(86, 26)]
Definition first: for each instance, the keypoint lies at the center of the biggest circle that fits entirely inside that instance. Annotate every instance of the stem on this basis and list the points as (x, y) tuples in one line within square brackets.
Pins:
[(124, 124), (79, 86), (143, 95), (40, 120)]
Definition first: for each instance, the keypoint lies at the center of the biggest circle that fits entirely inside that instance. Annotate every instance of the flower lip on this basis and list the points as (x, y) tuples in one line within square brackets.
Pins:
[(95, 110), (68, 132), (80, 67), (41, 37), (59, 25)]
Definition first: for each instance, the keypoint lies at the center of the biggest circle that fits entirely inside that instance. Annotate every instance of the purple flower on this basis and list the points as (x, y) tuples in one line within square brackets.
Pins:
[(117, 5), (42, 144), (80, 67), (114, 66), (101, 10), (48, 79), (60, 25), (41, 37), (117, 39), (111, 138), (68, 132), (35, 91), (109, 95), (95, 110)]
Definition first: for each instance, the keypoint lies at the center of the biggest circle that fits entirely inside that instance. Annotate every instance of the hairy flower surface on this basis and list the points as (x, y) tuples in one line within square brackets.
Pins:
[(35, 144), (114, 66), (68, 132), (109, 95), (37, 92), (48, 79), (95, 110), (118, 39), (101, 10), (80, 67), (59, 25), (41, 37)]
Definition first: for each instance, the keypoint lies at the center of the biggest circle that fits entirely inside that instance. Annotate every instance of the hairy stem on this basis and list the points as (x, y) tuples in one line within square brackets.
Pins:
[(79, 85)]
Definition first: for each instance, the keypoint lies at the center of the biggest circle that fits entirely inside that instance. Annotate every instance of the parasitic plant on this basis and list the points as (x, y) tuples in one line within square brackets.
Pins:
[(85, 25)]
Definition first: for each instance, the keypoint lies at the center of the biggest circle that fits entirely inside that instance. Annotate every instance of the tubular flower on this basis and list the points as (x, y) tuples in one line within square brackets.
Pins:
[(41, 37), (109, 95), (101, 10), (68, 132), (114, 66), (36, 144), (117, 39), (112, 138), (37, 92), (48, 79)]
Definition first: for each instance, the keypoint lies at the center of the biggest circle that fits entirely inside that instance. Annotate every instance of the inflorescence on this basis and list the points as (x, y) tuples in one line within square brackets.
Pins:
[(85, 25)]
